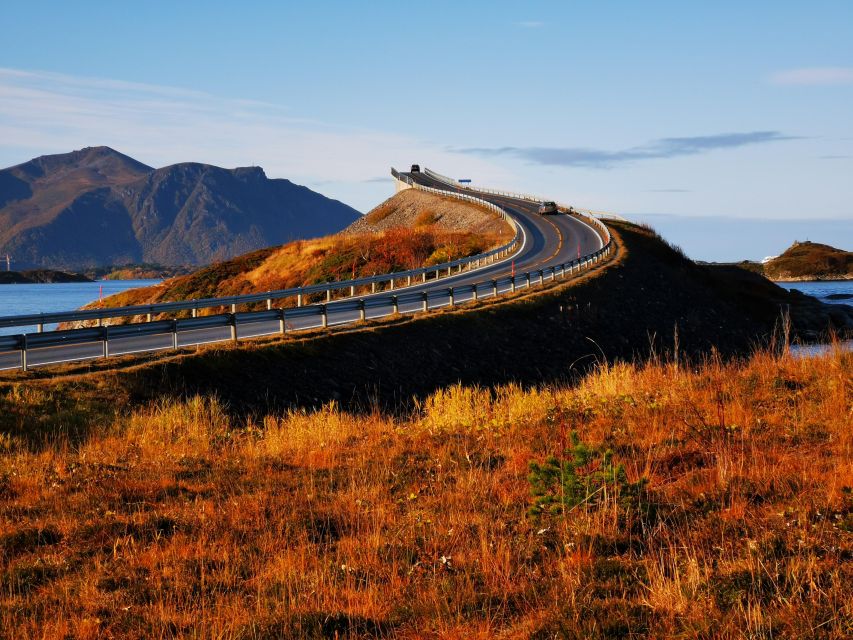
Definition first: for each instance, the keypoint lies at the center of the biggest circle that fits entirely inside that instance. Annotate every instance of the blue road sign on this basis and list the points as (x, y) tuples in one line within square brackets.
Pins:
[(465, 180)]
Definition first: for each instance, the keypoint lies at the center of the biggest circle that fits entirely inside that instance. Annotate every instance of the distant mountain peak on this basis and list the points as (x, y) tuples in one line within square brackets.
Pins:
[(96, 206)]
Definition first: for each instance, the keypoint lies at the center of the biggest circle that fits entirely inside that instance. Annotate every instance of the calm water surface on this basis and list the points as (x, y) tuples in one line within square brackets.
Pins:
[(821, 290), (20, 299)]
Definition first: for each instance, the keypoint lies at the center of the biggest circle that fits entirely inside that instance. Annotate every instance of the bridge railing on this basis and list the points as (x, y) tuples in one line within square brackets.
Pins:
[(350, 287), (15, 350)]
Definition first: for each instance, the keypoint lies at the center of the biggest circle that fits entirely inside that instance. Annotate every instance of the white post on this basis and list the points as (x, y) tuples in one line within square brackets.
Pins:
[(24, 353)]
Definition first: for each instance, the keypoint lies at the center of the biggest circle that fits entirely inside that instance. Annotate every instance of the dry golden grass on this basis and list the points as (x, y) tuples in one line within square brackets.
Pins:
[(181, 521), (306, 262)]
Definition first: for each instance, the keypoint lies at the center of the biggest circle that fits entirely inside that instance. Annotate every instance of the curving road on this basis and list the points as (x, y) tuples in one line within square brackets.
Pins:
[(548, 240)]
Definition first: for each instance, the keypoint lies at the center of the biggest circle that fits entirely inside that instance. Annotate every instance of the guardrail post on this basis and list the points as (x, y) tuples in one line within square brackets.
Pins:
[(105, 342), (175, 335), (324, 315), (474, 297), (409, 281), (495, 288), (352, 291), (512, 284), (425, 300), (328, 295), (450, 292), (41, 327), (448, 270), (24, 352), (269, 304), (149, 317), (541, 277), (527, 280), (391, 287), (233, 307), (282, 327), (100, 322), (372, 287), (395, 305), (195, 312), (299, 300), (362, 312), (424, 280), (232, 320)]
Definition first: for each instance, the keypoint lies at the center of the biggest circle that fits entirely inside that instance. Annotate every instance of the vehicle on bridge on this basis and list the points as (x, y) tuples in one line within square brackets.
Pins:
[(416, 168), (547, 207)]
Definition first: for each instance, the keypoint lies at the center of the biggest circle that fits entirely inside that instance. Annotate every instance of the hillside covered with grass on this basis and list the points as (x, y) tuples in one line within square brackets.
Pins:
[(391, 241), (806, 261), (654, 499), (810, 261)]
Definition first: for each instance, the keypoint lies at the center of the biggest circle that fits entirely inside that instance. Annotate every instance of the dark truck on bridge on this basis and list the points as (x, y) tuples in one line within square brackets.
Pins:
[(547, 207)]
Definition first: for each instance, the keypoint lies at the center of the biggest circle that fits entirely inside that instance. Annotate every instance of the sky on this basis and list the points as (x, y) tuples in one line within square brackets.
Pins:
[(704, 118)]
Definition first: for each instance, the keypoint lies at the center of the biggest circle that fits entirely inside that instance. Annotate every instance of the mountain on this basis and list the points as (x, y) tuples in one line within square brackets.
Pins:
[(96, 207)]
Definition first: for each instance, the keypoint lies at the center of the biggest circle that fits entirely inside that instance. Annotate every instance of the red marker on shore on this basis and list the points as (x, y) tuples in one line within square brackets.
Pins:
[(513, 268)]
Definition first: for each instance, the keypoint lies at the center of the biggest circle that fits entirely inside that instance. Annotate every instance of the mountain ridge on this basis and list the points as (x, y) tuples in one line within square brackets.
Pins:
[(96, 206)]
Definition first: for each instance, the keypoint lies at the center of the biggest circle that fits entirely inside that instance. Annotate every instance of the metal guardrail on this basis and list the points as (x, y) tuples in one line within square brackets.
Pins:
[(102, 335), (433, 272)]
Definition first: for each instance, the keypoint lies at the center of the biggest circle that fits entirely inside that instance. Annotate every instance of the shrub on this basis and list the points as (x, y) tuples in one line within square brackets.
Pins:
[(584, 475)]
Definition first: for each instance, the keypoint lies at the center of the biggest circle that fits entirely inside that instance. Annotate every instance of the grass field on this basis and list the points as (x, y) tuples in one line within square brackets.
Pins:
[(660, 499)]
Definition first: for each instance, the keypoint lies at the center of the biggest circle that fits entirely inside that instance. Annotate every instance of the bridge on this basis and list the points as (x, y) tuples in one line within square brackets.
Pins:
[(543, 249)]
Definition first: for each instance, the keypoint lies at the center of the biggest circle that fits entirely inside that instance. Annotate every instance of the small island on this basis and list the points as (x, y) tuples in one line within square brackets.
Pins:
[(804, 261), (40, 276)]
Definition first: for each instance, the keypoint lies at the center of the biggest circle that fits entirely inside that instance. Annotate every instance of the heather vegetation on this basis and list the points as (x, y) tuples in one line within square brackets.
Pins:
[(305, 262), (806, 261), (657, 499)]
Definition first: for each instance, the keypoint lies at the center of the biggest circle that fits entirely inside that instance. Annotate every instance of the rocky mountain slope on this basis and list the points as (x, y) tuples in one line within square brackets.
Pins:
[(97, 206)]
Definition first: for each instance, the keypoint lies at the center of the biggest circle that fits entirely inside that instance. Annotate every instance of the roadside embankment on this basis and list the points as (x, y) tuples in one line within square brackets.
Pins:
[(648, 300)]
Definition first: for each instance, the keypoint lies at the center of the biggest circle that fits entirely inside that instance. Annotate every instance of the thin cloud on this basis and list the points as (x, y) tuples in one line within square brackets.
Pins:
[(531, 24), (669, 191), (45, 112), (814, 76), (662, 148), (378, 179)]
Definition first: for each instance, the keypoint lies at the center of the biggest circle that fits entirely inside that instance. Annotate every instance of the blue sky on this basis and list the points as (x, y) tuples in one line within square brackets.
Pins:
[(724, 110)]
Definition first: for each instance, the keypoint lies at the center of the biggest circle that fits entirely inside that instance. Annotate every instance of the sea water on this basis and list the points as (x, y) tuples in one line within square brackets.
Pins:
[(22, 299)]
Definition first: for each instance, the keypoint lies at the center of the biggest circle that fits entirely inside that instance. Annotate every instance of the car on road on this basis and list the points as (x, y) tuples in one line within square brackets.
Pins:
[(547, 207), (415, 168)]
